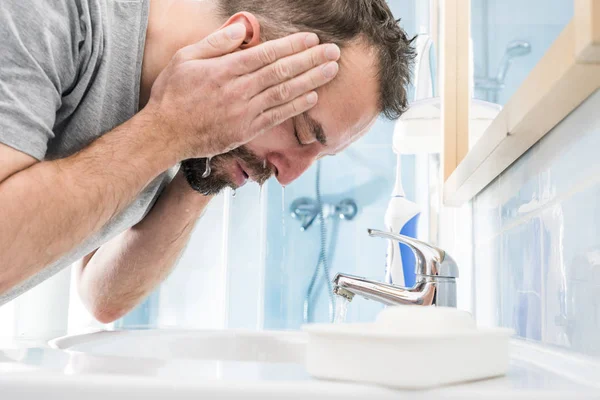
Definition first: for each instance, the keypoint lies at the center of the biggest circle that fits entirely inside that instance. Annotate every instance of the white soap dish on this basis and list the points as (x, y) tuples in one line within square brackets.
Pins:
[(408, 347)]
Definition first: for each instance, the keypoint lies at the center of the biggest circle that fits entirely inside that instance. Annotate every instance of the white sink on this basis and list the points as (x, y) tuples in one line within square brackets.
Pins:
[(168, 364), (272, 347)]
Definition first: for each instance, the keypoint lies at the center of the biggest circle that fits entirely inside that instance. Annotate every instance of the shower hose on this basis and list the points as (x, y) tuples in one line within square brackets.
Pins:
[(321, 269)]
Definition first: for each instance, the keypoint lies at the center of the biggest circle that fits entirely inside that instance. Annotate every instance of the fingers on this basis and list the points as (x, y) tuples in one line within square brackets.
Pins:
[(289, 67), (278, 115), (289, 90), (250, 60), (217, 44)]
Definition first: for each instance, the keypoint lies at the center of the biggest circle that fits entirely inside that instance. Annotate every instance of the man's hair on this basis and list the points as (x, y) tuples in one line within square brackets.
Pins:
[(342, 22)]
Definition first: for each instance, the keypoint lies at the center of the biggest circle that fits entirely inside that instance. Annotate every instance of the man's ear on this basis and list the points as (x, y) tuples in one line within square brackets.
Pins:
[(252, 28)]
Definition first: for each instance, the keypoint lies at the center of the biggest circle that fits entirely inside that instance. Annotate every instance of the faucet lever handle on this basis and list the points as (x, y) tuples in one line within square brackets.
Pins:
[(430, 260)]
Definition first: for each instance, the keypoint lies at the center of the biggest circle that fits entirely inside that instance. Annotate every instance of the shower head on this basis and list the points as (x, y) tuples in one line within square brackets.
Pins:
[(516, 48)]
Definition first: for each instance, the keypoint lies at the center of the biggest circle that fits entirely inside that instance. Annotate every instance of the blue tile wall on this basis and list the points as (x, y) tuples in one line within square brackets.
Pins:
[(537, 239), (520, 297)]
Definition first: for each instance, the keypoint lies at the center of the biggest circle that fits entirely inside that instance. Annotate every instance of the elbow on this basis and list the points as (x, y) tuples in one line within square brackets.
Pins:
[(98, 304), (106, 315), (102, 311)]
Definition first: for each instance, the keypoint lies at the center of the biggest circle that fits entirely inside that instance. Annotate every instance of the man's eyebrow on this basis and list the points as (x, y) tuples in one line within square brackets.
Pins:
[(316, 129)]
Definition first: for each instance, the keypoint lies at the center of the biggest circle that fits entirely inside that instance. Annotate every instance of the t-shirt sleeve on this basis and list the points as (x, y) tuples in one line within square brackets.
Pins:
[(36, 67)]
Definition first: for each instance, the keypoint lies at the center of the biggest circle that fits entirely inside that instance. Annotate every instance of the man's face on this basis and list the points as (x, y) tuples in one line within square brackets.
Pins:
[(346, 109)]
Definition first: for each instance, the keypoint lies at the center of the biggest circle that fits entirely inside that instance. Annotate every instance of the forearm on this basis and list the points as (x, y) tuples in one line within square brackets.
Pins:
[(51, 207), (126, 269)]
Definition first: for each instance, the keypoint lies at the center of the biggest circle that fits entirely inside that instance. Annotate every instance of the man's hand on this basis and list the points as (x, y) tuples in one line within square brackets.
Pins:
[(209, 100)]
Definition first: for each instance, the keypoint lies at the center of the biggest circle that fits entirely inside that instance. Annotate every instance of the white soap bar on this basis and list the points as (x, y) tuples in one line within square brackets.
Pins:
[(425, 320), (408, 347)]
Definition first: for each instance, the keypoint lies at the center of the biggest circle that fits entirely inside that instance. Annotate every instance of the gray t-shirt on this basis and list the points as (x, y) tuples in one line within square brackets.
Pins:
[(70, 71)]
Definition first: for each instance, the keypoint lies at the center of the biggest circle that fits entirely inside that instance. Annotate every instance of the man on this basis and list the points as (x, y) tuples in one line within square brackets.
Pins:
[(101, 100)]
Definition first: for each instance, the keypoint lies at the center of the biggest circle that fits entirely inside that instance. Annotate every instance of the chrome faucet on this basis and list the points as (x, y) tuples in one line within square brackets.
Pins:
[(435, 285)]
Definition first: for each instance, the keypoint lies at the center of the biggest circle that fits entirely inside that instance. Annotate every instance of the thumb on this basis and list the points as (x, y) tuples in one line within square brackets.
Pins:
[(217, 44)]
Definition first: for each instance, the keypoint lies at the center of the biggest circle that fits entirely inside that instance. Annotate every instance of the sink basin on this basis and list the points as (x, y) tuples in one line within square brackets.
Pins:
[(271, 347), (167, 364)]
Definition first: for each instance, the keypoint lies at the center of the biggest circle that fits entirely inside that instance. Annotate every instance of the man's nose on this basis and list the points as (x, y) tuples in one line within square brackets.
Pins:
[(288, 169)]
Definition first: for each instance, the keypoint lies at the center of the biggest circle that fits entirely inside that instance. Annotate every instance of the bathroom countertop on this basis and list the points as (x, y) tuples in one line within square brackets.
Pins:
[(27, 373)]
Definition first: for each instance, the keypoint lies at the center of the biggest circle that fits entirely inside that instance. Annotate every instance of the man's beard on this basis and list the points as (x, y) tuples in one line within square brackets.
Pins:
[(219, 179)]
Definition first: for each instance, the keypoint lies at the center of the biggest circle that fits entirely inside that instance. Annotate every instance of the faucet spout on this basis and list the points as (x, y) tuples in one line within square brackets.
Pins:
[(423, 293), (435, 284)]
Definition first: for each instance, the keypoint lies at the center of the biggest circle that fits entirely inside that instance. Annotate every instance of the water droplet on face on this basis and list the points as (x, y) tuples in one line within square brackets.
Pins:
[(206, 173), (264, 164), (233, 193)]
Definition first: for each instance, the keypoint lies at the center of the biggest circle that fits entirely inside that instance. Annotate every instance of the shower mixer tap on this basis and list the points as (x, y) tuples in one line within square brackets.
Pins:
[(306, 210)]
